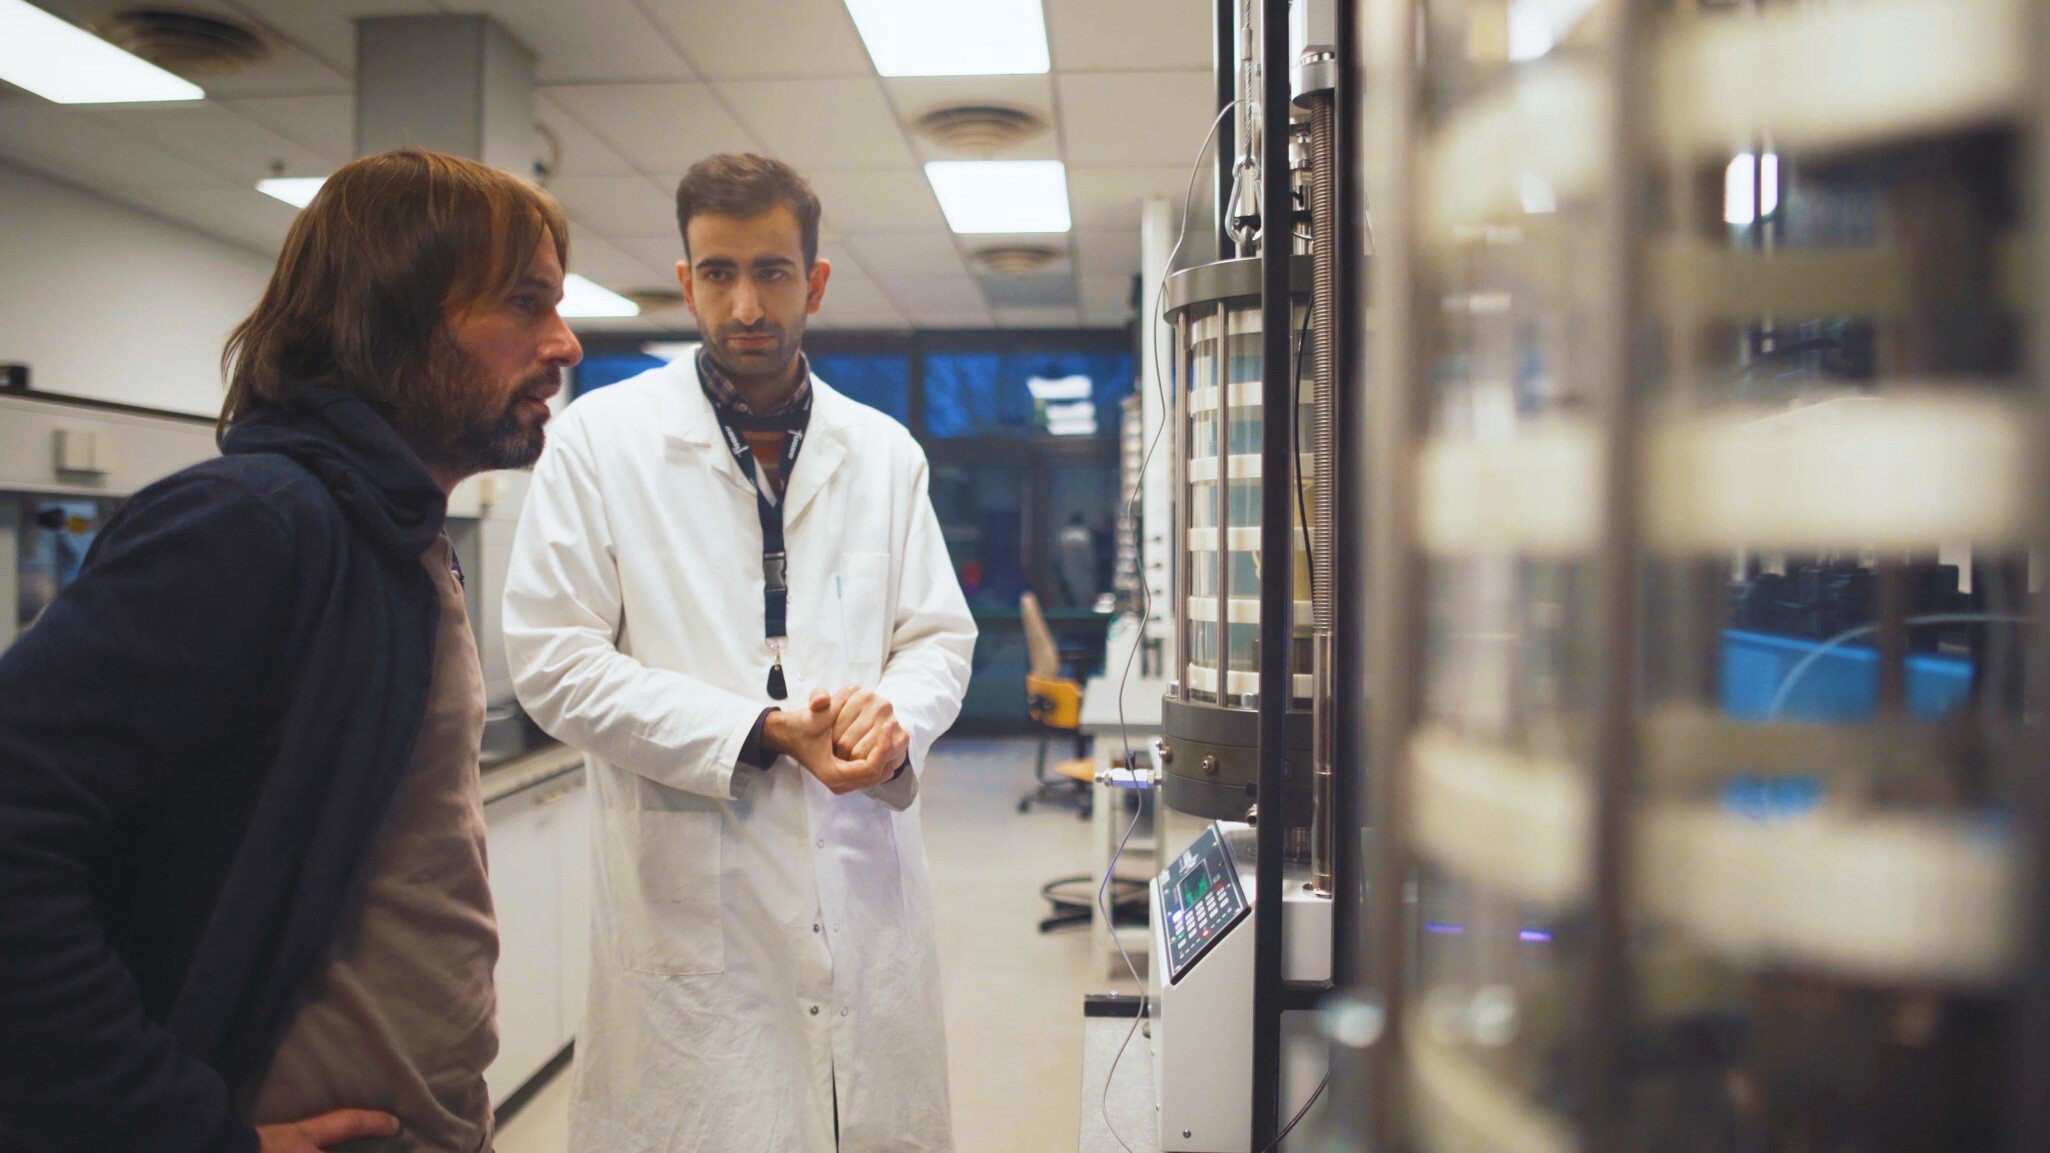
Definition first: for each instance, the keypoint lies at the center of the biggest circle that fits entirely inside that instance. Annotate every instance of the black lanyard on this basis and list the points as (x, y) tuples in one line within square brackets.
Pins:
[(775, 561)]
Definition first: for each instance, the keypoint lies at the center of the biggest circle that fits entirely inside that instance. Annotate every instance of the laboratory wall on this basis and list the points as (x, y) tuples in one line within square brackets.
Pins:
[(105, 302)]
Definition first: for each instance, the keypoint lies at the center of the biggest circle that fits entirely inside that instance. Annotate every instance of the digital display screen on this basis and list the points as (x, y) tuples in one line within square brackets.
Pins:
[(1195, 886)]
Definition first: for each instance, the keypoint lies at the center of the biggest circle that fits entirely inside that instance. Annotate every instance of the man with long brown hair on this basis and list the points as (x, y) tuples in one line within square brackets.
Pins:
[(242, 892)]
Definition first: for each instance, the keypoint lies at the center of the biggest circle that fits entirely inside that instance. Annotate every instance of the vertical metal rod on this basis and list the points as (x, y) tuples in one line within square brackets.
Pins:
[(1347, 534), (1612, 755), (1277, 548), (1321, 537), (2028, 1104), (1183, 363), (1395, 415), (1224, 64)]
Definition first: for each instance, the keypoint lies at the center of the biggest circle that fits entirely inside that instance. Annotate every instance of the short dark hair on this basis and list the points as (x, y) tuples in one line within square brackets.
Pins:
[(391, 247), (746, 185)]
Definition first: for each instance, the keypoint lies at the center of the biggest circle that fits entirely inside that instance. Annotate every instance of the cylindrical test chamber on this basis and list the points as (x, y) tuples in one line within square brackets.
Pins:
[(1210, 718)]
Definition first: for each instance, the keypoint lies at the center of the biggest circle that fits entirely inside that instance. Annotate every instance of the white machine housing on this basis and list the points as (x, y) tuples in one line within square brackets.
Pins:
[(1202, 1017)]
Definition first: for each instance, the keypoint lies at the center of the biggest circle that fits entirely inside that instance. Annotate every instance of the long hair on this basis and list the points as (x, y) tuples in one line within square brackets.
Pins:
[(391, 246)]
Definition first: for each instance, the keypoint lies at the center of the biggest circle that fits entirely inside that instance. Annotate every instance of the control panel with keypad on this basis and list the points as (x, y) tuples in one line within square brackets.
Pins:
[(1201, 899)]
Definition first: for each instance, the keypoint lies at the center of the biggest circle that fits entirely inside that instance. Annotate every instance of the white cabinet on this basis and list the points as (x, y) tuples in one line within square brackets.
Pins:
[(575, 842), (540, 888)]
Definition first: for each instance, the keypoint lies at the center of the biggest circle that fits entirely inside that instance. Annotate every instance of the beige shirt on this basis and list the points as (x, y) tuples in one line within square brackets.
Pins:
[(403, 1019)]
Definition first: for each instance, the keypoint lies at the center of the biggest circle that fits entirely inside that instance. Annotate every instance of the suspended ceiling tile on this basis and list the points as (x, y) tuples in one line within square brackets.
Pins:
[(820, 124), (1033, 290), (1108, 251), (328, 29), (957, 314), (861, 305), (1038, 317), (1128, 35), (589, 41), (1107, 293), (765, 39), (594, 258), (899, 201), (70, 144), (237, 214), (325, 125), (1108, 199), (907, 253), (940, 293), (615, 206), (660, 252), (583, 153), (1129, 119), (224, 142), (661, 129), (1106, 317)]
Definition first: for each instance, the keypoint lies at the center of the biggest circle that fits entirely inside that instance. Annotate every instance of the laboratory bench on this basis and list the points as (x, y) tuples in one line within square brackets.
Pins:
[(538, 841)]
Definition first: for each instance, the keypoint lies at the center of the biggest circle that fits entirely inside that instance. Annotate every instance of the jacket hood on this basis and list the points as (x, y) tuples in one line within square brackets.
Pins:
[(376, 478)]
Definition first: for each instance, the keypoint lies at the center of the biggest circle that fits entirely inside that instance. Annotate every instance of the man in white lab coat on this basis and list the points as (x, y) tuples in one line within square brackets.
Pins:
[(765, 976)]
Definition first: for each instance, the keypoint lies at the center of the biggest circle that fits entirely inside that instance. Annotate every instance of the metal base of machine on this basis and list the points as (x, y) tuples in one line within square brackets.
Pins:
[(1211, 769), (1202, 1025)]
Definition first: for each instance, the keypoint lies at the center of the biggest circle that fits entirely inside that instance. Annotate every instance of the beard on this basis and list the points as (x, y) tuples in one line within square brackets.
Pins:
[(765, 367), (461, 418)]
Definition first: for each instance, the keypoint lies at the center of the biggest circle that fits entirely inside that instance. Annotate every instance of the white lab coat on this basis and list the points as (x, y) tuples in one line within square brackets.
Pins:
[(762, 949)]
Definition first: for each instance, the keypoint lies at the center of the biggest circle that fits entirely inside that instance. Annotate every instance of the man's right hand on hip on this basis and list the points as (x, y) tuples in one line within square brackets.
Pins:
[(327, 1131)]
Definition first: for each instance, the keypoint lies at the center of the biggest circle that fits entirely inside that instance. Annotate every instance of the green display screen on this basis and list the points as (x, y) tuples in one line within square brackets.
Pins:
[(1195, 886)]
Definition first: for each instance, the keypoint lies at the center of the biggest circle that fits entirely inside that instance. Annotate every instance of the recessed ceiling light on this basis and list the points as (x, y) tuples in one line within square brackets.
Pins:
[(1002, 195), (581, 297), (66, 64), (950, 38), (296, 191)]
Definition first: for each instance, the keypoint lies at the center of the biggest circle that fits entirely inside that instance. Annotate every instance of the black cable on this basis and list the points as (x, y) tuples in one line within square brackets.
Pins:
[(1299, 1115), (1295, 432)]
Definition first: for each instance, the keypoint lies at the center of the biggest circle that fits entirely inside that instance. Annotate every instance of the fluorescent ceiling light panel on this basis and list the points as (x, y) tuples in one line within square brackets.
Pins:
[(581, 297), (1002, 195), (296, 191), (1077, 387), (953, 37), (62, 62)]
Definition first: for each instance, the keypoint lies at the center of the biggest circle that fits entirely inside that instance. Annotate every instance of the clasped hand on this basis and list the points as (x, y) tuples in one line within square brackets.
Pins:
[(850, 740)]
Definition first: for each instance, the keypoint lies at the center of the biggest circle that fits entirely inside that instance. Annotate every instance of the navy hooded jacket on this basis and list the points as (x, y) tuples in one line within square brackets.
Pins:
[(198, 741)]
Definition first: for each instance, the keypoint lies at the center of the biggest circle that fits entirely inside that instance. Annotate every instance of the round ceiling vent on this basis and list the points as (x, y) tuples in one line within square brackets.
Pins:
[(979, 129), (655, 299), (1015, 259), (184, 42)]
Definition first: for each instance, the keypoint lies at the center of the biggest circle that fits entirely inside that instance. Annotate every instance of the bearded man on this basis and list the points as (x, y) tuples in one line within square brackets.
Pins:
[(243, 901)]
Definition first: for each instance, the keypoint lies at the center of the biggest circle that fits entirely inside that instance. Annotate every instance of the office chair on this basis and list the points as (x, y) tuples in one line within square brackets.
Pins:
[(1054, 703)]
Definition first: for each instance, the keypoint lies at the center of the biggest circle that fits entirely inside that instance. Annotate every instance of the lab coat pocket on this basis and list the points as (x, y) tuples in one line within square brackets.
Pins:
[(860, 585), (669, 915)]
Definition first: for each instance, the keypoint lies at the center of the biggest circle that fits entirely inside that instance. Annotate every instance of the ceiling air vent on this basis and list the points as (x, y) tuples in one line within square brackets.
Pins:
[(187, 43), (982, 130), (1015, 259)]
